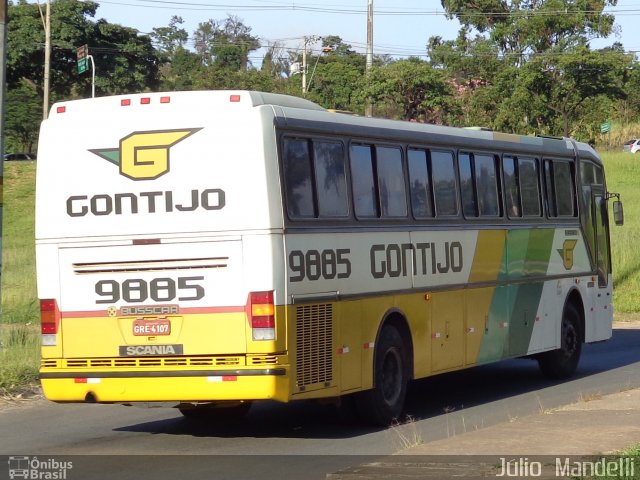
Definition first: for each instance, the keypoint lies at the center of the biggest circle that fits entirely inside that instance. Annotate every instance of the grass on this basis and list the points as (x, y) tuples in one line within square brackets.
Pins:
[(623, 176), (407, 433), (19, 335), (632, 452)]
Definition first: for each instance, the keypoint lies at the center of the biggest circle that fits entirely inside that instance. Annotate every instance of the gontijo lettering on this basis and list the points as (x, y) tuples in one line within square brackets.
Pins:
[(426, 258), (145, 202)]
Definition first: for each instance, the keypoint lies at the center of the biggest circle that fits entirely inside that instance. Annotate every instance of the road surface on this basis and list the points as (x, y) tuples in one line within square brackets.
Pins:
[(301, 439)]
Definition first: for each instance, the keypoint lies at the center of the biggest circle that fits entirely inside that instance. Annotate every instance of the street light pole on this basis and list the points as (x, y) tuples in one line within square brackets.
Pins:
[(46, 21), (369, 108)]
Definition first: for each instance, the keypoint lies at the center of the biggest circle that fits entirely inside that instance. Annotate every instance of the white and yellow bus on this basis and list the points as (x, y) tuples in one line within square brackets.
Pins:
[(217, 248)]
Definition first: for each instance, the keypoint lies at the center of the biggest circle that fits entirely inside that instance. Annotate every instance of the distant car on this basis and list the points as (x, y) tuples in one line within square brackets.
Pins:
[(632, 146), (19, 156)]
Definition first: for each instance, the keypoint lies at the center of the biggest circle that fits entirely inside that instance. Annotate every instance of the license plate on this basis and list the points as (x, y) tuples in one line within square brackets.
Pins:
[(151, 328)]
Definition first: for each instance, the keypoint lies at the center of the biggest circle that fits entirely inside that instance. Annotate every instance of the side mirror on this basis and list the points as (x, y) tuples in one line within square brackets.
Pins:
[(618, 213)]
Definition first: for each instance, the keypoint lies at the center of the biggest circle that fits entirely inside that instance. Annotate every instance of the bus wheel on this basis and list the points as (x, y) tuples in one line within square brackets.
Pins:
[(218, 411), (563, 362), (384, 403)]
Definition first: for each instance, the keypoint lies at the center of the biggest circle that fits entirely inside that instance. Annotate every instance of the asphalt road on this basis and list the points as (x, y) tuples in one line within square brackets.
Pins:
[(302, 439)]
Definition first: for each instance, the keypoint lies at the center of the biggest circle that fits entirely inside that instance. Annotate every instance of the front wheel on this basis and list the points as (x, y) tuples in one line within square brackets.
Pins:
[(563, 362), (384, 403)]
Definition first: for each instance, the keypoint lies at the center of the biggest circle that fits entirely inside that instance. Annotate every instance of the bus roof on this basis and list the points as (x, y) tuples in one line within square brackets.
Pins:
[(300, 113)]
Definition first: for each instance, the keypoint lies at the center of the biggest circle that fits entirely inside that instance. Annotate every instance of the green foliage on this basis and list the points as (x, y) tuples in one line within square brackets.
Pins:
[(19, 334), (333, 85), (170, 38), (19, 299), (623, 176), (22, 119), (125, 61), (523, 27), (410, 89)]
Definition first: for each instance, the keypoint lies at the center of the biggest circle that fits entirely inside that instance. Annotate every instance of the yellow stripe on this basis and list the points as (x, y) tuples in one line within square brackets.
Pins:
[(488, 256)]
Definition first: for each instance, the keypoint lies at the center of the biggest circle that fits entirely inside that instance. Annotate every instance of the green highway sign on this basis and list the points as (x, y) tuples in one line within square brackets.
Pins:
[(605, 127), (82, 54), (83, 65)]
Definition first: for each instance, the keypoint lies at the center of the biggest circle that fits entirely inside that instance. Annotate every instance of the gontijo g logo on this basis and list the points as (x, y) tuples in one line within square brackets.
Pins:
[(144, 155)]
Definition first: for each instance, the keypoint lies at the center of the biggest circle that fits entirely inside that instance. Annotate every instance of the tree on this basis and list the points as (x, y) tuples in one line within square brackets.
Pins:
[(125, 61), (275, 61), (333, 85), (225, 44), (548, 41), (521, 28), (414, 89), (171, 38), (23, 115), (568, 81)]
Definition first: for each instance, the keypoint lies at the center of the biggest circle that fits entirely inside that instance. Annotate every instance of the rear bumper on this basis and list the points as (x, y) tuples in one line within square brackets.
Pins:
[(163, 386)]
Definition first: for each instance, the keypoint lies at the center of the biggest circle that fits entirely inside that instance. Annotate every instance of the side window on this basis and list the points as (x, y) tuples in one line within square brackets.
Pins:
[(587, 173), (511, 187), (530, 187), (486, 185), (391, 186), (444, 183), (331, 183), (560, 188), (297, 177), (599, 175), (314, 179), (419, 183), (478, 185), (466, 186), (364, 197), (549, 190)]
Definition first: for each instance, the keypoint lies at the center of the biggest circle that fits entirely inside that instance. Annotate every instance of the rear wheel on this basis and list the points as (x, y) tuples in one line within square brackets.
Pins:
[(384, 403), (215, 411), (563, 362)]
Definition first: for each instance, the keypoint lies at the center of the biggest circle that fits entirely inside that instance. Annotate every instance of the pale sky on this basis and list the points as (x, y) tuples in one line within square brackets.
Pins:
[(401, 27)]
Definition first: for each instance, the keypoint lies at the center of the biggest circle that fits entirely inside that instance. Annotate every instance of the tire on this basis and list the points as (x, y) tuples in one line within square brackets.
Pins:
[(223, 412), (562, 363), (383, 404)]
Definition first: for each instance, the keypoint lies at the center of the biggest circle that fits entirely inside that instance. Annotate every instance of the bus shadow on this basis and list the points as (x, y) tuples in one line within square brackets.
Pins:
[(475, 392)]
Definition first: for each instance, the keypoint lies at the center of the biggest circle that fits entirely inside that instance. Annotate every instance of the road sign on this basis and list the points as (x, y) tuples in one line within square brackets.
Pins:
[(605, 127), (83, 60)]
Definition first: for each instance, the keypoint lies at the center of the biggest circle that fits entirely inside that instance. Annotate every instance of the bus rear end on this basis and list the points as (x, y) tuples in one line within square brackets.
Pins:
[(158, 234)]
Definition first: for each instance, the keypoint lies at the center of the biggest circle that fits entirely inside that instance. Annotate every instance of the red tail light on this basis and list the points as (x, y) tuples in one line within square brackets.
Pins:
[(49, 316), (262, 315)]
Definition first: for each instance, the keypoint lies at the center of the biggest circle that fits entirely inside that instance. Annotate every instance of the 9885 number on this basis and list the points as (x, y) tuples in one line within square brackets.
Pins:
[(313, 264), (136, 290)]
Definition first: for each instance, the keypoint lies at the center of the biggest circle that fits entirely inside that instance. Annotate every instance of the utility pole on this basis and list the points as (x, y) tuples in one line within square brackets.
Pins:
[(46, 22), (304, 66), (307, 40), (369, 64)]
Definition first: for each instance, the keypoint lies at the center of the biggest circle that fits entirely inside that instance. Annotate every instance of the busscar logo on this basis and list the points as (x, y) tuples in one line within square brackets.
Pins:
[(144, 155)]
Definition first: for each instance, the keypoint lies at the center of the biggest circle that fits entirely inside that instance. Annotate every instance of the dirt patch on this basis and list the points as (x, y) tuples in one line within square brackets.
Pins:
[(624, 317), (631, 324), (20, 396)]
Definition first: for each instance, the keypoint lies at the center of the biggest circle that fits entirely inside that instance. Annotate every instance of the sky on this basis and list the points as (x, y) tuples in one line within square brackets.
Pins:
[(401, 27)]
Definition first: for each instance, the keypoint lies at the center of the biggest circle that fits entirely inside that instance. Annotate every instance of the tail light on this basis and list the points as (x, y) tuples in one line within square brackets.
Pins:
[(262, 315), (49, 320)]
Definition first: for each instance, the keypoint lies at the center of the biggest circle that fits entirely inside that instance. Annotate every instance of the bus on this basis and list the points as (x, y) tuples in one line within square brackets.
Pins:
[(216, 248)]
